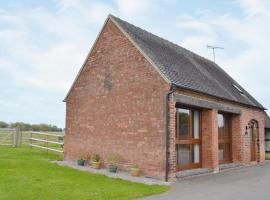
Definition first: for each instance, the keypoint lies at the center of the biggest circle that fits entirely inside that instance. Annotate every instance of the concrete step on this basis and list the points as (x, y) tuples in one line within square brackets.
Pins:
[(192, 173), (204, 171), (228, 166)]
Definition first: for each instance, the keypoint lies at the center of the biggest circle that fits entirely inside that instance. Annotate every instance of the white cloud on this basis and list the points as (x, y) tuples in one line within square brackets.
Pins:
[(132, 8), (66, 4), (53, 57), (253, 7), (42, 50)]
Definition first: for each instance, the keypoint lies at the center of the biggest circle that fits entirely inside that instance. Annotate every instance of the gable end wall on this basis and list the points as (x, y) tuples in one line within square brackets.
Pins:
[(117, 105)]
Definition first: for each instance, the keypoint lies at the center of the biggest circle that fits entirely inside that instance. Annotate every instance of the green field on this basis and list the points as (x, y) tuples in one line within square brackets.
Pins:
[(27, 174)]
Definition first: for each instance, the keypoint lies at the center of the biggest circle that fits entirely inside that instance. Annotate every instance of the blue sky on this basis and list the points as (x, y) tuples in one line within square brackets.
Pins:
[(44, 43)]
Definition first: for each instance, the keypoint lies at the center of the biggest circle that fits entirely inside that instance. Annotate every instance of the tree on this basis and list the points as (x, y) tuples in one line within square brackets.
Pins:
[(30, 127), (3, 124)]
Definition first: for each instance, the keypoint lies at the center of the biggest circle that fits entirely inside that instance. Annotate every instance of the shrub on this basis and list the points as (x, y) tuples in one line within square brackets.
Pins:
[(96, 158), (135, 166), (114, 159)]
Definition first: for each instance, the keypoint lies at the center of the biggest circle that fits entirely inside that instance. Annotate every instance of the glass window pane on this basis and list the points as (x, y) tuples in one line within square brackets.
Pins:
[(196, 124), (183, 123), (221, 152), (188, 153), (184, 154), (196, 153), (221, 125), (224, 136), (227, 151), (226, 126)]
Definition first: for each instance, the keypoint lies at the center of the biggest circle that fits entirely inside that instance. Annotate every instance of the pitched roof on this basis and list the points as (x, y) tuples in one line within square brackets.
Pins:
[(184, 68), (266, 120)]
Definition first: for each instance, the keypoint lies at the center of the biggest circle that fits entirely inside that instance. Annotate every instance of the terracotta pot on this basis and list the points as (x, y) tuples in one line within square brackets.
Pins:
[(135, 172), (96, 165)]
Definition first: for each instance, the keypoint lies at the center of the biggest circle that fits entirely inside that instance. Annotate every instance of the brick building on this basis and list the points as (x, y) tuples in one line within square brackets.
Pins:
[(267, 133), (159, 106)]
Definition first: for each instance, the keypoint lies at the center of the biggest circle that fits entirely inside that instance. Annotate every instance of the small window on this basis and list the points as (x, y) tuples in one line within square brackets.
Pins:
[(238, 88)]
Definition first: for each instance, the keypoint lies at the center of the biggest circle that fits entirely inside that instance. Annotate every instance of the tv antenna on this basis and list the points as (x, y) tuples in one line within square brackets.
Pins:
[(213, 48)]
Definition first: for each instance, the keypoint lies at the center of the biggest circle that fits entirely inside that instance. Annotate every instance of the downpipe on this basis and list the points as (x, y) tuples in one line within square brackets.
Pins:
[(167, 118)]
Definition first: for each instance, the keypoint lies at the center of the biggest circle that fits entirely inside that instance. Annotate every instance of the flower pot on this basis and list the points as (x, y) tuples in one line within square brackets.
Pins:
[(113, 168), (135, 172), (80, 162), (96, 165)]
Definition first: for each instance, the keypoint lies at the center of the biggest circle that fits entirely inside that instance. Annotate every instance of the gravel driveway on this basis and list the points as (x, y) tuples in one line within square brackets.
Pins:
[(251, 183)]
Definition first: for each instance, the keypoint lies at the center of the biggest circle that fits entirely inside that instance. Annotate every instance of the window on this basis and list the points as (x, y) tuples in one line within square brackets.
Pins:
[(238, 88), (184, 123), (224, 138), (188, 140)]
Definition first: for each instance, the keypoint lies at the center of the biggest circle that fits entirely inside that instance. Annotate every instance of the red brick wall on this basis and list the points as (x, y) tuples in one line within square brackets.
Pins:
[(118, 105), (172, 156), (240, 136), (209, 139), (240, 141)]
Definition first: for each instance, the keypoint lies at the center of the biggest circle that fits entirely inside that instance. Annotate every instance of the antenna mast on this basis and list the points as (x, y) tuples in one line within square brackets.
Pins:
[(213, 48)]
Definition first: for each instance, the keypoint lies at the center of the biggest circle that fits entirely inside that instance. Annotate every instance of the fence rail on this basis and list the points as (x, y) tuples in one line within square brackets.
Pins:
[(47, 141)]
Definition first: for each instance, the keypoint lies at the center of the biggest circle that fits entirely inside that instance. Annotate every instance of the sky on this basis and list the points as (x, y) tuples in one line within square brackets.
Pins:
[(44, 43)]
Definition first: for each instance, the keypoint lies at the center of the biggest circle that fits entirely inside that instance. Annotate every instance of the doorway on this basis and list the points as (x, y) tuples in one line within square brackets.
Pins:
[(253, 137), (224, 138), (188, 138)]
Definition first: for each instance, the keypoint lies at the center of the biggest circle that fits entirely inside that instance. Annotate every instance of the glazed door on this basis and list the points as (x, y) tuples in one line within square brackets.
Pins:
[(224, 138), (188, 139)]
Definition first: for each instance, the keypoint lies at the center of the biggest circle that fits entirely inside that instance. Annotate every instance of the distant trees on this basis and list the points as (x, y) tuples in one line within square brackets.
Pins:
[(30, 127), (3, 124)]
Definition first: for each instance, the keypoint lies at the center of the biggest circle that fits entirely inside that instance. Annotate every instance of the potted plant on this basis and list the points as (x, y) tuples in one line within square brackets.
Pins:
[(113, 160), (81, 160), (134, 170), (88, 159), (96, 161)]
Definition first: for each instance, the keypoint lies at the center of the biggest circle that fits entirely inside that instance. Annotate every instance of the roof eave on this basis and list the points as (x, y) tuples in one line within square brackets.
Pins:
[(197, 91)]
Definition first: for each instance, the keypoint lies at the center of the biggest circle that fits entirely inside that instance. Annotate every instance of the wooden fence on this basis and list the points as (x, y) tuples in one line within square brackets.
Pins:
[(10, 137), (49, 141)]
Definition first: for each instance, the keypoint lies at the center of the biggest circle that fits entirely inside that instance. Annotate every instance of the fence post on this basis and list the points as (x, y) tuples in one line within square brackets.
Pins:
[(21, 137), (47, 143), (30, 139), (13, 141), (17, 137)]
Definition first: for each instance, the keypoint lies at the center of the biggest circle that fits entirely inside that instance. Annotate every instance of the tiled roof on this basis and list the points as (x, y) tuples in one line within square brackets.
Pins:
[(186, 69)]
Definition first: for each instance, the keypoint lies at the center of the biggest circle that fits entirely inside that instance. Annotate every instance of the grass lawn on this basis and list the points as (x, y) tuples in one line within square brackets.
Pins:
[(26, 174)]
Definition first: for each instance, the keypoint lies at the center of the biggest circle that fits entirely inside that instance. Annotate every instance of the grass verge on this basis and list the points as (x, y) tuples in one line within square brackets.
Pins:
[(26, 174)]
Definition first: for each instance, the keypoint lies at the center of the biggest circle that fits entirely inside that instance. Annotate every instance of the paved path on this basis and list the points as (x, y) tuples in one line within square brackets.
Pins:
[(252, 183)]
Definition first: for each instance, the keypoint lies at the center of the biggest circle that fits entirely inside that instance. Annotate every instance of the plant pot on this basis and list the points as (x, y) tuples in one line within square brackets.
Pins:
[(80, 162), (96, 165), (113, 168), (135, 172)]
